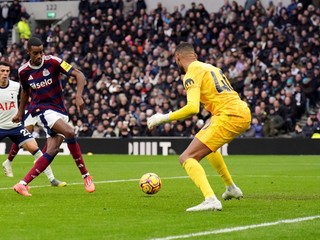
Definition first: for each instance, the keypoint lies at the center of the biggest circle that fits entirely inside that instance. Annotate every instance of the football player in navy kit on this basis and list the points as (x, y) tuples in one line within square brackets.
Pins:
[(40, 80)]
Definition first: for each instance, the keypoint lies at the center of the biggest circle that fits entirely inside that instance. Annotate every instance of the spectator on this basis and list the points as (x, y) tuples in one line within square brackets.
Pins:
[(140, 5), (24, 13), (249, 3), (128, 6), (109, 132), (309, 127), (135, 131), (125, 132), (99, 132), (4, 16), (273, 125), (24, 29), (3, 40), (298, 132), (14, 13), (289, 114), (258, 128), (179, 129), (307, 88), (300, 101), (166, 130), (183, 10), (289, 87), (114, 87), (85, 131), (84, 6), (189, 127)]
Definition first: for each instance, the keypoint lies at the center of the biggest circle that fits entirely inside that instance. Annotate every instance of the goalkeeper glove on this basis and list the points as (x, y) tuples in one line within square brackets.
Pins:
[(157, 119)]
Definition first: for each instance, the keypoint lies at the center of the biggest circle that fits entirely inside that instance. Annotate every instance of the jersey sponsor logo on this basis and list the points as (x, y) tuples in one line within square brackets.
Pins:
[(7, 106), (188, 83), (66, 66), (30, 78), (41, 84), (45, 72)]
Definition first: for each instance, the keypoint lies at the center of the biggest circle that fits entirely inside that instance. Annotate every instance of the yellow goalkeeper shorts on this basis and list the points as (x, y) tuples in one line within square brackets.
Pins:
[(224, 128)]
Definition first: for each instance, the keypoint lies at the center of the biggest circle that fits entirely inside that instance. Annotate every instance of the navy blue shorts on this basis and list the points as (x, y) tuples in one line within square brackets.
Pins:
[(18, 135)]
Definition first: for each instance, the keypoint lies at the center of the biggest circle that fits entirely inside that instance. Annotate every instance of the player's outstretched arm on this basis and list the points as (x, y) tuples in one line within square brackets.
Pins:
[(191, 108), (81, 81)]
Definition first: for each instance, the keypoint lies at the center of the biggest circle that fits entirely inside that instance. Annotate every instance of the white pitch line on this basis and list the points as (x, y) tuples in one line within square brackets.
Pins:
[(177, 177), (237, 229), (98, 182)]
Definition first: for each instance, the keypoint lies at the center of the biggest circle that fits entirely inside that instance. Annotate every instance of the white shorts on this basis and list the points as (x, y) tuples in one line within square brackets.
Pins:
[(29, 120), (47, 119)]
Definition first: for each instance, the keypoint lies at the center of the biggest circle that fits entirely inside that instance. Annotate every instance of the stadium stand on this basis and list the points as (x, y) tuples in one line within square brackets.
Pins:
[(270, 55)]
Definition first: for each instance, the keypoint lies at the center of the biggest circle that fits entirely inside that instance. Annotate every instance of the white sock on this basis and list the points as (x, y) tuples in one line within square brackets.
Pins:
[(48, 171), (231, 187), (8, 162), (23, 182), (85, 175), (37, 155), (214, 198)]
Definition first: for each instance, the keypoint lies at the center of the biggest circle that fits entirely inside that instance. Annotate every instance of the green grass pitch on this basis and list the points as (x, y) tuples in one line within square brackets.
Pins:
[(282, 201)]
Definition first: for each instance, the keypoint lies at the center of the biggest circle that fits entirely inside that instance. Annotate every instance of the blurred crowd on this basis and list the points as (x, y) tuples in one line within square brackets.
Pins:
[(270, 54)]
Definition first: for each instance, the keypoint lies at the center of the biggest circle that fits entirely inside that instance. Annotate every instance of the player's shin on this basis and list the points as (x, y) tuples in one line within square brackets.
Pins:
[(198, 176), (48, 171), (40, 165), (77, 155), (13, 152), (217, 162), (44, 149)]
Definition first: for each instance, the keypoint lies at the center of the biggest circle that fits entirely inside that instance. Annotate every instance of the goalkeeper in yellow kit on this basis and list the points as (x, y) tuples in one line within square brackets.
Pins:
[(231, 116)]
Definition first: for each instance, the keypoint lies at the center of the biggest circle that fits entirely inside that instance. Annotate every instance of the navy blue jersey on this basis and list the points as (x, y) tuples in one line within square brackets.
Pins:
[(44, 84)]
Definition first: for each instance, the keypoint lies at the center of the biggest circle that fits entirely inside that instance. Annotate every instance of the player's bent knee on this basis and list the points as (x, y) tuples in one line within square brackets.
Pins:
[(69, 134), (182, 159)]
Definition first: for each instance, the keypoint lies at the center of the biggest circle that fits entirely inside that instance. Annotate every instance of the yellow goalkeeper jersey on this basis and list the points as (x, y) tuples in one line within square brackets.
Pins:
[(207, 85)]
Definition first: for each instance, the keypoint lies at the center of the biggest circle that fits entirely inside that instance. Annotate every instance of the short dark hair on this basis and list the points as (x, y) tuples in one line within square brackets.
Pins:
[(34, 41), (184, 47), (4, 64)]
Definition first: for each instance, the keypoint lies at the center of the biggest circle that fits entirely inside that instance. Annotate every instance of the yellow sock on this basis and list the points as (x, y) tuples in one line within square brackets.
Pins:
[(217, 162), (198, 176)]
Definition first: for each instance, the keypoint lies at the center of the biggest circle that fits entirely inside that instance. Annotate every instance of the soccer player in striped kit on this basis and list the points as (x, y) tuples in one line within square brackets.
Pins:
[(20, 136), (40, 79)]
